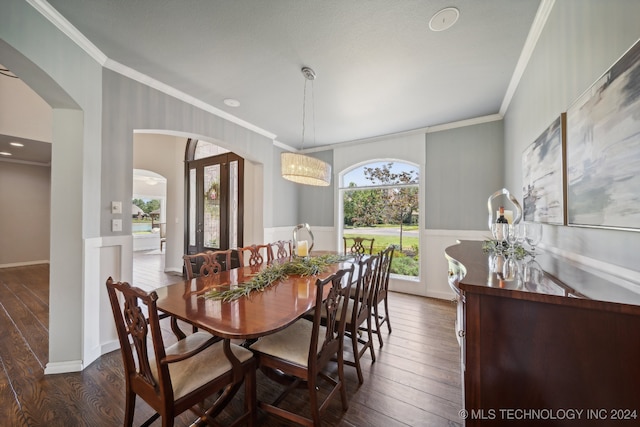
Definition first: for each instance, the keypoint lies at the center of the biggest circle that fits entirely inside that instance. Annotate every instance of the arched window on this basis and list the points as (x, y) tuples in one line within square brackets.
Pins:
[(380, 200)]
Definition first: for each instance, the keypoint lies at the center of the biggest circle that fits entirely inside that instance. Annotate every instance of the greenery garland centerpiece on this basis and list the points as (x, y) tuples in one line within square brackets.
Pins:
[(308, 266), (518, 251)]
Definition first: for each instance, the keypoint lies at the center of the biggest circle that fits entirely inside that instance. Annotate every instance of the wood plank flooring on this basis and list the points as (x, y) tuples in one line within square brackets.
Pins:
[(415, 380)]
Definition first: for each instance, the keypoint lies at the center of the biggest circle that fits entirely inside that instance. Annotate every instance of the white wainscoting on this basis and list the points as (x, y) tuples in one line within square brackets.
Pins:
[(105, 257), (434, 268), (146, 242), (324, 237)]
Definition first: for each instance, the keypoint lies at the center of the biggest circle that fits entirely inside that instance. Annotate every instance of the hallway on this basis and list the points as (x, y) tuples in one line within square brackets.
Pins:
[(148, 270)]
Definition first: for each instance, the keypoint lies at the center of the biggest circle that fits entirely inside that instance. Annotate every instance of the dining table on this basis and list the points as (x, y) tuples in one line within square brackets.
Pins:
[(257, 314), (248, 317)]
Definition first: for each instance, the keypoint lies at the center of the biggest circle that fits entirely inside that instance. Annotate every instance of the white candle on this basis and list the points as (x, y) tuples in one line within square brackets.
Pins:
[(303, 248)]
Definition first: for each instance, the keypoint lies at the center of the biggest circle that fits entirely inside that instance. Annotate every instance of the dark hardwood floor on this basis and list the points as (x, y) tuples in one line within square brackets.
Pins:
[(415, 380)]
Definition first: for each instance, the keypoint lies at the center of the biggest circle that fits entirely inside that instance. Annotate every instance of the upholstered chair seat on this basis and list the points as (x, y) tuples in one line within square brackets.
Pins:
[(290, 344), (298, 355), (194, 372)]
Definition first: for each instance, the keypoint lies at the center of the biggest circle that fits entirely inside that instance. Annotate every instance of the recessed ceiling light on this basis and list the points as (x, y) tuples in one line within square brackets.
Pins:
[(16, 144), (232, 102), (4, 153), (444, 19)]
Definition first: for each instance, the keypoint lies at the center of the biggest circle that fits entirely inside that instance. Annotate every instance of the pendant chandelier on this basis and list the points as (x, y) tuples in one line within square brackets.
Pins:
[(298, 167)]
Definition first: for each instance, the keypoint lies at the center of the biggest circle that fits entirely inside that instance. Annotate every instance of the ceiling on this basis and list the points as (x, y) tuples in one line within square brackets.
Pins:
[(380, 69)]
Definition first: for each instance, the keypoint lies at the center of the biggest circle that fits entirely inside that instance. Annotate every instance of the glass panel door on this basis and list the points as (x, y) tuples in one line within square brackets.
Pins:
[(211, 217), (214, 203)]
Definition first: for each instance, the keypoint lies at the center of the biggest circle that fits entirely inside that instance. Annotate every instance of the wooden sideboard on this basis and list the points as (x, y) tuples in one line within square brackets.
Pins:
[(540, 349)]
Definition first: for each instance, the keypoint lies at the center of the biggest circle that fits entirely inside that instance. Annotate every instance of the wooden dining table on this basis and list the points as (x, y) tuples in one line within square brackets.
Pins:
[(252, 316), (249, 317)]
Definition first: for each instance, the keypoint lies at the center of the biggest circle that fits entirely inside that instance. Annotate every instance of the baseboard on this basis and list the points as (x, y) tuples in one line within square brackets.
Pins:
[(23, 264), (63, 367), (440, 295), (110, 346)]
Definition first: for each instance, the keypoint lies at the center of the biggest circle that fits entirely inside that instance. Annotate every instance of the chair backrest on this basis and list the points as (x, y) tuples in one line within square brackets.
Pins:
[(223, 257), (132, 324), (358, 245), (255, 255), (364, 292), (281, 249), (206, 263), (323, 348), (384, 270)]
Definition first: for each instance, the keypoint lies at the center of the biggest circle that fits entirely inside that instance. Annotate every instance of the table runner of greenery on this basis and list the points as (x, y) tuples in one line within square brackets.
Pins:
[(277, 272)]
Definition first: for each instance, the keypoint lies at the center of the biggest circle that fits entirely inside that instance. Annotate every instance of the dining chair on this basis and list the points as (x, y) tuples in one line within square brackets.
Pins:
[(359, 309), (202, 264), (255, 255), (358, 245), (381, 292), (179, 377), (301, 352), (281, 249), (206, 263)]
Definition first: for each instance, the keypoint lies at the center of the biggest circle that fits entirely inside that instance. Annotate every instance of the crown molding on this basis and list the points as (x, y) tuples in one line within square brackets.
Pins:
[(171, 91), (423, 130), (284, 146), (62, 24), (544, 10)]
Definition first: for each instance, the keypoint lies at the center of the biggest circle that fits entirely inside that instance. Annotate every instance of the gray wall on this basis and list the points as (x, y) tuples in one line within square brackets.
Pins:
[(316, 204), (129, 105), (463, 168), (284, 195), (24, 216), (581, 40), (70, 82)]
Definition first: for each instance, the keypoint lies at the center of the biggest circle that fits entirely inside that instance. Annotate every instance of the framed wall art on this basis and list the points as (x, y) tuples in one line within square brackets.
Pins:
[(544, 177), (603, 149)]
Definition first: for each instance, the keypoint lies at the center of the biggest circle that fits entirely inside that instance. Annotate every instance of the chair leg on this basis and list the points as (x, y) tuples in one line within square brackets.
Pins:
[(167, 420), (370, 339), (129, 407), (386, 313), (376, 316), (343, 385), (313, 401), (356, 354), (250, 399)]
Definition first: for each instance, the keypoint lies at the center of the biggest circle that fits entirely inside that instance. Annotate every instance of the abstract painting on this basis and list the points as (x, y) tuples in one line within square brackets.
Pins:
[(603, 149), (543, 176)]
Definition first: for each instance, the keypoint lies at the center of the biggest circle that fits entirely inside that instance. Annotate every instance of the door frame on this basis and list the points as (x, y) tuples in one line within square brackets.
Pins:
[(198, 165)]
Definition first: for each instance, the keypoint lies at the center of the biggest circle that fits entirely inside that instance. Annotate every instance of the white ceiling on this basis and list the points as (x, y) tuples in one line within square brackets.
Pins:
[(380, 69)]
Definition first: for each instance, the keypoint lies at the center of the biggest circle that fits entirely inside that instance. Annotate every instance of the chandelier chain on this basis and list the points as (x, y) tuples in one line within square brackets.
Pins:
[(304, 109)]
